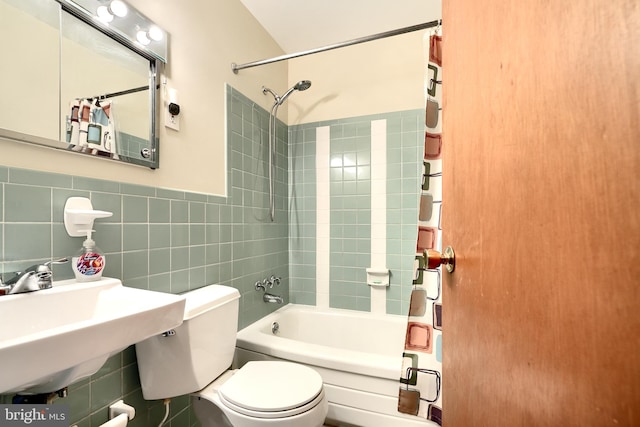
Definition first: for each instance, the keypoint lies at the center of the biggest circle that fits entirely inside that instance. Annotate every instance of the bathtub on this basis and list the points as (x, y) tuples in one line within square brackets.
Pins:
[(359, 356)]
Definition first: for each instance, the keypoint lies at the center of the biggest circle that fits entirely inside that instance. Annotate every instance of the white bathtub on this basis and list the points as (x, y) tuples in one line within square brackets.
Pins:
[(358, 354)]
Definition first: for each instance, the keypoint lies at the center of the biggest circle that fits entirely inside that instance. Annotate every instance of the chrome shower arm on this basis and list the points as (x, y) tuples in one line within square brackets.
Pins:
[(275, 95), (278, 100)]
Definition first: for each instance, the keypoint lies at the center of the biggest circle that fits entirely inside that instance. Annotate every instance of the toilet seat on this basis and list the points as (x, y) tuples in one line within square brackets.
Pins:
[(276, 414), (272, 389)]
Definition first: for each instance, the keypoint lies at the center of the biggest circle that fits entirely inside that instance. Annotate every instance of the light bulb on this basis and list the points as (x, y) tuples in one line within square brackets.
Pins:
[(143, 38), (118, 8), (155, 33), (103, 14)]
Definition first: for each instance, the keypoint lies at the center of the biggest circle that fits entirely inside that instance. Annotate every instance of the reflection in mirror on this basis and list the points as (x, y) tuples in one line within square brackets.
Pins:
[(104, 93), (77, 84)]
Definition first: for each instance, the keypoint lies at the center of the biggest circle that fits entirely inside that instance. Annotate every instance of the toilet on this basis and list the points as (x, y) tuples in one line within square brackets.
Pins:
[(195, 359)]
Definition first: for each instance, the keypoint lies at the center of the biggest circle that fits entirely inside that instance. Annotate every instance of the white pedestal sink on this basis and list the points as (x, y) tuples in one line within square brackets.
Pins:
[(54, 337)]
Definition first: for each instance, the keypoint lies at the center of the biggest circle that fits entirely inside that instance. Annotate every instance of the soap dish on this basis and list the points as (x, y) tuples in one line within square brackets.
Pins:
[(378, 276)]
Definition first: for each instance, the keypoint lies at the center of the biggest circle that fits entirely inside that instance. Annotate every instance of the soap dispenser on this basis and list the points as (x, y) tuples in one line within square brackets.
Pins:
[(89, 262)]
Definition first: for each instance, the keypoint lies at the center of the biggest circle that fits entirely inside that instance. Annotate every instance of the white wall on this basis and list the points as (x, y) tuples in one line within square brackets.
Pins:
[(379, 76)]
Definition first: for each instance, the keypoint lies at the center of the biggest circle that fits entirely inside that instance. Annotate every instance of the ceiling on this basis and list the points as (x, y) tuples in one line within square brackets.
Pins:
[(299, 25)]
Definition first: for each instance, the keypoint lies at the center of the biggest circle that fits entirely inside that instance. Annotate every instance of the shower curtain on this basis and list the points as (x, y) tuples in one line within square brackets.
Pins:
[(91, 127), (420, 379)]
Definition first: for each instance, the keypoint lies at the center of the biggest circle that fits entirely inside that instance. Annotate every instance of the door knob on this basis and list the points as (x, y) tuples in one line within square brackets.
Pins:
[(435, 259)]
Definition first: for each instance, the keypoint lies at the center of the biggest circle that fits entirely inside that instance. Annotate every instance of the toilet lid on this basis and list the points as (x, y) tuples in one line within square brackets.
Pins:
[(270, 386)]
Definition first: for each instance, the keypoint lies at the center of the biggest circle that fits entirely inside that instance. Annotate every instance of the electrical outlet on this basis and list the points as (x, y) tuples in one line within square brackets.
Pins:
[(172, 111), (171, 121)]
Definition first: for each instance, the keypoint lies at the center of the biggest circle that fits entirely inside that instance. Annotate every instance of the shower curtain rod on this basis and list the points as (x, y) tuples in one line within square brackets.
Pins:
[(122, 92), (235, 67)]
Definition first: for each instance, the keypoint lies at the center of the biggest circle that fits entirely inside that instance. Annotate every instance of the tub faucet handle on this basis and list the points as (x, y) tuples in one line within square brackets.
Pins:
[(274, 280), (260, 286)]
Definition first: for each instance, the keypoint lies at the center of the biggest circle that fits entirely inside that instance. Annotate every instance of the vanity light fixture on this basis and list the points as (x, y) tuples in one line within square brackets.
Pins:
[(104, 15), (153, 33), (118, 8), (122, 20), (115, 8), (143, 37)]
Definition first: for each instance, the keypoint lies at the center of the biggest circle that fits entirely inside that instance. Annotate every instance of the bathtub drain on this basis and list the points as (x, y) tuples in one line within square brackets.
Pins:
[(275, 327)]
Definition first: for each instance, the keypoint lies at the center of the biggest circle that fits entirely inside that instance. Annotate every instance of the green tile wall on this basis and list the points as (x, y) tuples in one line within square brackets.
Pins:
[(350, 201), (158, 239), (302, 214), (350, 204), (405, 146)]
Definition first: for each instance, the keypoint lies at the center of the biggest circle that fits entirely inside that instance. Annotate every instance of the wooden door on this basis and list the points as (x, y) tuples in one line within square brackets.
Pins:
[(541, 202)]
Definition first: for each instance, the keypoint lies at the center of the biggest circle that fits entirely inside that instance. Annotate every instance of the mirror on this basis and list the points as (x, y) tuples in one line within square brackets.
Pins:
[(78, 84)]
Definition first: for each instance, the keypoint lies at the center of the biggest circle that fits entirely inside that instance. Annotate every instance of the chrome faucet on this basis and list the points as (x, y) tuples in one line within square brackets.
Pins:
[(269, 283), (262, 285), (34, 278), (267, 297), (274, 280)]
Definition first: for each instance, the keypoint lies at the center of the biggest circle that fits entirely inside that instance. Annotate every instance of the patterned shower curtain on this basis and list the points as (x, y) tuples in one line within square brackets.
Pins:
[(91, 127), (420, 391)]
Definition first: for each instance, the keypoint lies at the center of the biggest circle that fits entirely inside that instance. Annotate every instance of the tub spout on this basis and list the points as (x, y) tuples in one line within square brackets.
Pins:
[(267, 297)]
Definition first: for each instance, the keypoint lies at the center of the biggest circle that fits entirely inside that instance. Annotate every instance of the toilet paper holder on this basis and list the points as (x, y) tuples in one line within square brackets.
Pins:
[(119, 408)]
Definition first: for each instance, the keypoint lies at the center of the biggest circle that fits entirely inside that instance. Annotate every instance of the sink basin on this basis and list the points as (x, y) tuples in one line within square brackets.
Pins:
[(54, 337)]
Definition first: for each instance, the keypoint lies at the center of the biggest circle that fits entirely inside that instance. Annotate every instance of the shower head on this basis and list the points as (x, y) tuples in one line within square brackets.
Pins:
[(301, 85)]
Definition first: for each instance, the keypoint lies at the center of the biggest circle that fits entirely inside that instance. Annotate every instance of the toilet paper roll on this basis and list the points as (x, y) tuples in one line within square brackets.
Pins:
[(119, 421)]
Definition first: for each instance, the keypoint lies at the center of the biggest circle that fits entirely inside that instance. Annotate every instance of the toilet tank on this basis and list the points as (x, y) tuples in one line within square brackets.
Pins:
[(198, 352)]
